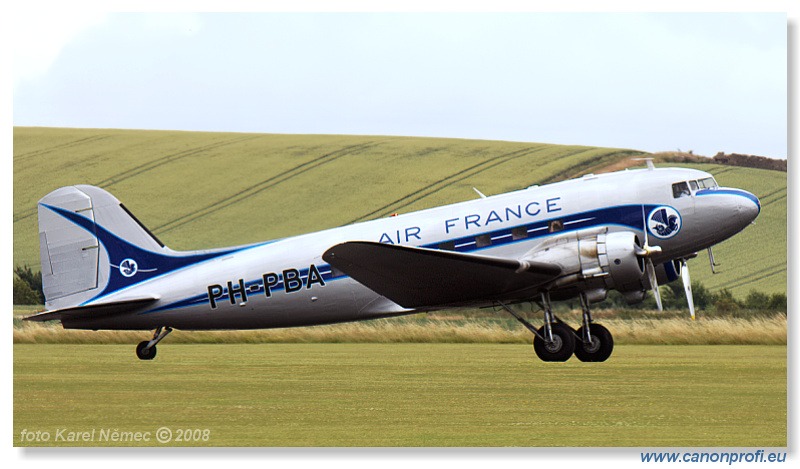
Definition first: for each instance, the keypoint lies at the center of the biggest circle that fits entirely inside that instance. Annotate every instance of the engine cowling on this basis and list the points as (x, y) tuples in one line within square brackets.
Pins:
[(596, 261), (625, 267)]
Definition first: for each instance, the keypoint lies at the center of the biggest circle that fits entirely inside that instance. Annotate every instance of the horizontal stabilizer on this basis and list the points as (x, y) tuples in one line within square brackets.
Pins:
[(100, 309), (417, 277)]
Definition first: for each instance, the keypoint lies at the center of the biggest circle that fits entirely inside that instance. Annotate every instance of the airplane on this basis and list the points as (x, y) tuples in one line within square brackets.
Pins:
[(629, 231)]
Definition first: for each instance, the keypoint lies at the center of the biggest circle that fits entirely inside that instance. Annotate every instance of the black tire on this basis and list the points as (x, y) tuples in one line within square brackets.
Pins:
[(143, 353), (600, 348), (560, 349)]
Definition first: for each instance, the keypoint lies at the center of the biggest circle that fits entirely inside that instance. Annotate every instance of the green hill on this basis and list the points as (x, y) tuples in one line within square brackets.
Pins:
[(199, 190)]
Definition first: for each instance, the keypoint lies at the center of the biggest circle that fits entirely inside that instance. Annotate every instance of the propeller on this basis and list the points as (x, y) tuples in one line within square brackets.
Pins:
[(687, 286), (646, 252), (651, 275)]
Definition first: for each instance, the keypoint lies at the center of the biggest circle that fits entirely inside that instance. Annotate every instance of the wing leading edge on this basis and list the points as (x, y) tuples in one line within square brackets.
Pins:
[(418, 277)]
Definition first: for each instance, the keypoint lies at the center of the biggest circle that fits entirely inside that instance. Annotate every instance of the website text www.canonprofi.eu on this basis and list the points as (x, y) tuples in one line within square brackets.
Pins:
[(729, 457)]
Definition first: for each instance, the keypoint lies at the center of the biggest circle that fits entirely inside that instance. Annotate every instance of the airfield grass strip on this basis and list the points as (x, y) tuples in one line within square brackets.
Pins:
[(261, 186), (760, 330)]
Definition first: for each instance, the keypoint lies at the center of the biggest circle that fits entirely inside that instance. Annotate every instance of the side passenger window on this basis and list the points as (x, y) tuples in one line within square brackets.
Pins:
[(680, 189)]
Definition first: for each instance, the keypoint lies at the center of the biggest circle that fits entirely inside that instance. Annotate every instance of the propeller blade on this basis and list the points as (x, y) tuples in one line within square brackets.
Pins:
[(687, 286), (651, 275), (646, 250)]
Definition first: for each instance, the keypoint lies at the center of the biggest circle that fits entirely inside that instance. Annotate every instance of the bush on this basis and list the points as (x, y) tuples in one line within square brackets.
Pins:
[(33, 281), (702, 297), (777, 302), (724, 302), (757, 300), (23, 294)]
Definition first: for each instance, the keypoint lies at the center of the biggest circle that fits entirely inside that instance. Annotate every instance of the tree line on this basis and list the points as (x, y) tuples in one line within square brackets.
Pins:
[(730, 159)]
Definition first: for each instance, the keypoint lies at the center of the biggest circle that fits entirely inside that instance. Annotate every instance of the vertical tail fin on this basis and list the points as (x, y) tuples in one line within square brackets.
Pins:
[(90, 244)]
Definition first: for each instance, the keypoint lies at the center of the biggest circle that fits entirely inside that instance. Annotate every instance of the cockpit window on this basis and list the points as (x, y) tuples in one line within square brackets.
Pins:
[(707, 183), (680, 189)]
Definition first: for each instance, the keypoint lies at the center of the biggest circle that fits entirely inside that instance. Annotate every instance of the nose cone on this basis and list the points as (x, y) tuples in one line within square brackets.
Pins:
[(748, 206), (723, 212)]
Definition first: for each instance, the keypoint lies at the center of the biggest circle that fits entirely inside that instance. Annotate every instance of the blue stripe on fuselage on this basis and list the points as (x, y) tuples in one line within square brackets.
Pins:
[(627, 216), (738, 192)]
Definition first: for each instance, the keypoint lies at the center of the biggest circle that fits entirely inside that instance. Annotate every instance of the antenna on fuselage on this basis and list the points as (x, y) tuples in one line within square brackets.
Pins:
[(649, 161), (479, 193)]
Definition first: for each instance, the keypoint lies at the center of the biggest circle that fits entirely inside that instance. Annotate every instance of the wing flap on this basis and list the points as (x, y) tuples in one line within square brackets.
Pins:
[(418, 277), (102, 309)]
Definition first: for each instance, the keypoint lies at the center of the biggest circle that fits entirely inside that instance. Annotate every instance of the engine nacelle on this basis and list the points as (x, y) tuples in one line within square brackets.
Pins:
[(625, 267), (595, 261)]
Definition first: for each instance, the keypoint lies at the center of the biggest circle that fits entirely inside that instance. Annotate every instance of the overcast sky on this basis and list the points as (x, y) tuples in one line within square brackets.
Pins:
[(705, 82)]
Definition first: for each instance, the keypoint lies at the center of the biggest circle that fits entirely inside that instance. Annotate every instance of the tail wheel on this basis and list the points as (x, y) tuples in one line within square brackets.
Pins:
[(560, 348), (145, 353), (600, 347)]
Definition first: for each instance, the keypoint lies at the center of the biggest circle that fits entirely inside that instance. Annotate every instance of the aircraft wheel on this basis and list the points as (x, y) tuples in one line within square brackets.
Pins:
[(561, 347), (600, 348), (144, 353)]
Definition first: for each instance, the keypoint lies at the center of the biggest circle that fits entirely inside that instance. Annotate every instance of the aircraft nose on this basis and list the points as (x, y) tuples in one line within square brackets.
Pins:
[(726, 211), (748, 206)]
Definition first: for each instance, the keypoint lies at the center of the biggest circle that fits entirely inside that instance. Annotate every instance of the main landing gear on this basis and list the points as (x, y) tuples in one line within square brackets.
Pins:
[(146, 350), (556, 341)]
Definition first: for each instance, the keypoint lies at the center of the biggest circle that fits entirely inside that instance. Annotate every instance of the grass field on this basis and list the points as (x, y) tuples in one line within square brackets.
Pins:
[(199, 190), (406, 395)]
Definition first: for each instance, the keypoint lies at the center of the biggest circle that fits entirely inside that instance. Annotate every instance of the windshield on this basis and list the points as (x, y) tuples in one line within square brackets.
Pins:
[(707, 183)]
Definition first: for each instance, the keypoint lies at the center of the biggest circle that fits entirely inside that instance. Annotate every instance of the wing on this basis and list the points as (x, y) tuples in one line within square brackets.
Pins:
[(102, 309), (417, 277)]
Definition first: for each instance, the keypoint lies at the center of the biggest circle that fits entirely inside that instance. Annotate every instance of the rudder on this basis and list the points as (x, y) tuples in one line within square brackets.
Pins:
[(88, 242)]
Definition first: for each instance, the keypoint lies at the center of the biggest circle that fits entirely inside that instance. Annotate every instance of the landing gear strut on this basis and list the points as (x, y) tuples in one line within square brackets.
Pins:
[(594, 342), (553, 342), (146, 350), (556, 341)]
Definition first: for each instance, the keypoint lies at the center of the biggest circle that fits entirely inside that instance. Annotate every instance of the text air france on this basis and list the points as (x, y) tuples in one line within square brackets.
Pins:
[(471, 222)]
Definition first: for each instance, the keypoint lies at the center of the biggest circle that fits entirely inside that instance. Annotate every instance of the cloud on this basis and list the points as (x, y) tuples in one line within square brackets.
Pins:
[(40, 38)]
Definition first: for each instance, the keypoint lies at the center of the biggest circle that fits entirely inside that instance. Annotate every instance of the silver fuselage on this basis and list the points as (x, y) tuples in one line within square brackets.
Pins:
[(286, 282)]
